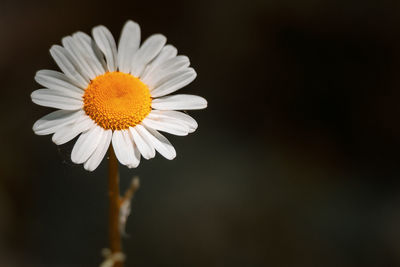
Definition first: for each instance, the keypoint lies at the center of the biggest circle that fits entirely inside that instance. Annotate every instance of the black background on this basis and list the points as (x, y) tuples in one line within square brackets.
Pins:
[(295, 162)]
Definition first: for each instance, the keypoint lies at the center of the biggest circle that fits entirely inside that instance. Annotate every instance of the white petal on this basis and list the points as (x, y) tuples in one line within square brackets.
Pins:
[(160, 143), (72, 94), (175, 115), (57, 99), (91, 53), (173, 82), (71, 130), (166, 53), (84, 37), (105, 41), (68, 65), (136, 156), (145, 149), (168, 126), (56, 81), (141, 130), (120, 148), (160, 73), (128, 45), (149, 50), (75, 50), (124, 148), (86, 144), (90, 43), (179, 102), (53, 121), (95, 159)]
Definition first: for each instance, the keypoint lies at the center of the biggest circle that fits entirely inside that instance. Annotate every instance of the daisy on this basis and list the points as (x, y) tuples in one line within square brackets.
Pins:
[(116, 95)]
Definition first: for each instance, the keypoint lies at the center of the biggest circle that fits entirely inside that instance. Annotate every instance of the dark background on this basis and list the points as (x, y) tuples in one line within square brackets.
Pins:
[(295, 162)]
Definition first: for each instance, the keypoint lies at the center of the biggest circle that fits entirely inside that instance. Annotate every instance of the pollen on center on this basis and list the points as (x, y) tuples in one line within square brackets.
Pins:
[(117, 100)]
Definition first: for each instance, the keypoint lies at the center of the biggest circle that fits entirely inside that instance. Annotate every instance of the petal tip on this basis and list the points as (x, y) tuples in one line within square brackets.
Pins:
[(203, 103), (89, 168)]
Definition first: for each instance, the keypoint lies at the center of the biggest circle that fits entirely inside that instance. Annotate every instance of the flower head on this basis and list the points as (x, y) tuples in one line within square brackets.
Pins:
[(116, 95)]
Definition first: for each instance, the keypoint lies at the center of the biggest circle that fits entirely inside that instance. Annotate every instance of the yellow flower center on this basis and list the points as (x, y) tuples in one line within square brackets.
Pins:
[(117, 100)]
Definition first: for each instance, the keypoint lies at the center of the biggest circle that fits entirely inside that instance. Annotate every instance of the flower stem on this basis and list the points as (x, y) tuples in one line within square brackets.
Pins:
[(113, 185)]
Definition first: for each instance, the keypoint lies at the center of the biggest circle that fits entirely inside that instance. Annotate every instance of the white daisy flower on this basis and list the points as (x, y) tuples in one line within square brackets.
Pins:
[(116, 95)]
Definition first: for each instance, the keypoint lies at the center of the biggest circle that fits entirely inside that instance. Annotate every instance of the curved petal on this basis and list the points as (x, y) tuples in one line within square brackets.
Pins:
[(55, 120), (120, 148), (166, 53), (95, 159), (159, 142), (136, 156), (168, 126), (56, 99), (69, 131), (105, 41), (75, 50), (128, 45), (174, 116), (90, 43), (86, 144), (68, 65), (148, 51), (173, 82), (162, 73), (124, 149), (56, 81), (179, 102), (140, 130), (90, 52), (144, 148)]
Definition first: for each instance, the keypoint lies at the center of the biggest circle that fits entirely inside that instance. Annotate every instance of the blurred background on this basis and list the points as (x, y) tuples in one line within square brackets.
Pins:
[(295, 162)]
